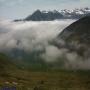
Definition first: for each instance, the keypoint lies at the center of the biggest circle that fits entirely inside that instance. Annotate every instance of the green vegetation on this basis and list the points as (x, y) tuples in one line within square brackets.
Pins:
[(22, 79), (50, 80)]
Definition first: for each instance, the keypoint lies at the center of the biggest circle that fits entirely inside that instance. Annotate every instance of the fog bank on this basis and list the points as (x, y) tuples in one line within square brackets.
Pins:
[(35, 36)]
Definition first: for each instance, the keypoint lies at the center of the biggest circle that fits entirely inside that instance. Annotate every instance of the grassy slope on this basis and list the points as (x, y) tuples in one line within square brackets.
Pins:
[(47, 80), (10, 75)]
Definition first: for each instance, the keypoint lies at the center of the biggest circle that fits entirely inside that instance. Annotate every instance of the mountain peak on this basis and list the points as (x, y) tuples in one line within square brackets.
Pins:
[(44, 15), (37, 11)]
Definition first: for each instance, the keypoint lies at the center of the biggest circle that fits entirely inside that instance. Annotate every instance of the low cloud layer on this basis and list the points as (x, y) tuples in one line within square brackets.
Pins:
[(27, 35), (35, 36)]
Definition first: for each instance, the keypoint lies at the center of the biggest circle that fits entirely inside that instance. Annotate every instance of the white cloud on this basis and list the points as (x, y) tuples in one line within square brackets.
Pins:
[(34, 36), (29, 33)]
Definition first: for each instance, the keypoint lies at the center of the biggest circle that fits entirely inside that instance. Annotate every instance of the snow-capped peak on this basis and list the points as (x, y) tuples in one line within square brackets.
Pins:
[(76, 11), (39, 15)]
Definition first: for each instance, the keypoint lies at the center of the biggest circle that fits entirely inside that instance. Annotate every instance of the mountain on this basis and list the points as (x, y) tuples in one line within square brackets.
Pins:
[(54, 15), (44, 16), (75, 13), (77, 36)]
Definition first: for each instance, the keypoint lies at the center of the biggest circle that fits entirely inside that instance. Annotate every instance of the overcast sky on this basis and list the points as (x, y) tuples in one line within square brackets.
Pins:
[(13, 9)]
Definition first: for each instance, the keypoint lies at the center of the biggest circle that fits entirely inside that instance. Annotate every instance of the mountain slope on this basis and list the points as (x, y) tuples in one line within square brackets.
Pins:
[(44, 16), (80, 29), (77, 35)]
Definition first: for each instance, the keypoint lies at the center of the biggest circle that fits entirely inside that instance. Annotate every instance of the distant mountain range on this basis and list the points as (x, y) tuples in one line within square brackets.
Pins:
[(54, 15)]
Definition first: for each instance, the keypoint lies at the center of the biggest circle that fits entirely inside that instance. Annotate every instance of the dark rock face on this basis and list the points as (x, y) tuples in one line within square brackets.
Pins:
[(77, 36), (80, 29), (43, 16)]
